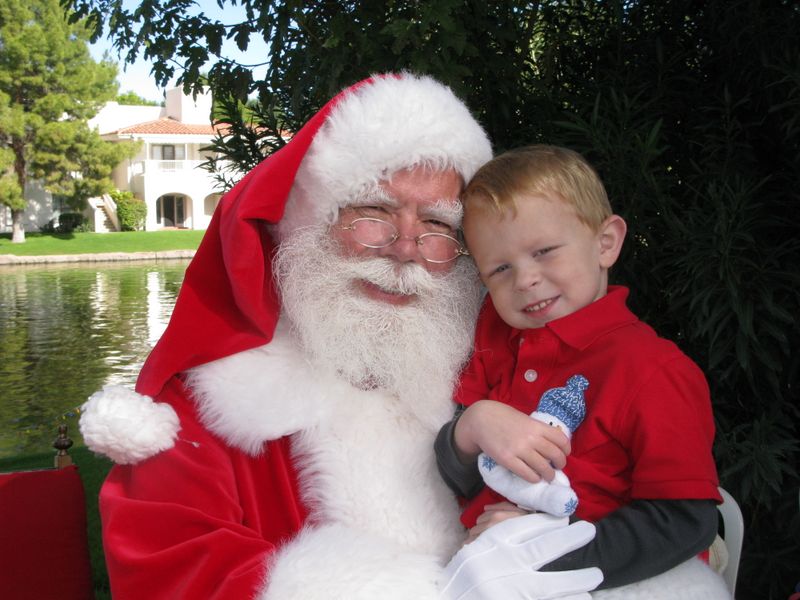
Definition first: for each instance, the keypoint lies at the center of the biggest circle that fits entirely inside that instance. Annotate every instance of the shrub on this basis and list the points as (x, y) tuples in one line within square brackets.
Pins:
[(131, 211), (49, 227), (69, 222), (84, 227)]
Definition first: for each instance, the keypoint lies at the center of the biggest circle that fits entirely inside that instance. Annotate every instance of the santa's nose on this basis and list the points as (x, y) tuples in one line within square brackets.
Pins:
[(405, 247)]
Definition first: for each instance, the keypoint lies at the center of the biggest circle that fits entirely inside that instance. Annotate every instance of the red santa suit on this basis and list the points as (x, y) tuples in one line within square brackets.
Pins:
[(244, 471)]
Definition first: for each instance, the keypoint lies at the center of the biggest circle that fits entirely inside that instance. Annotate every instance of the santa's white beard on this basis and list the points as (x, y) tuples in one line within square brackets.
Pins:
[(413, 351)]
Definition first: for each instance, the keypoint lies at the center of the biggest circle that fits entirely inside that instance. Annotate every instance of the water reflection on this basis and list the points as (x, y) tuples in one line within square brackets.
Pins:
[(65, 331)]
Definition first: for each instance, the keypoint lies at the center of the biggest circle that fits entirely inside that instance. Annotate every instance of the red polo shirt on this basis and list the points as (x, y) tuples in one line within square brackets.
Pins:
[(648, 430)]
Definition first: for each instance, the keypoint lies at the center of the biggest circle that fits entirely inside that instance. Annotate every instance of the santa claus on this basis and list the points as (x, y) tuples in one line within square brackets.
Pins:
[(279, 442)]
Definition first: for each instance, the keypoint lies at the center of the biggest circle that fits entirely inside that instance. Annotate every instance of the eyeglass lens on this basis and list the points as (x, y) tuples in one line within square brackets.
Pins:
[(376, 233)]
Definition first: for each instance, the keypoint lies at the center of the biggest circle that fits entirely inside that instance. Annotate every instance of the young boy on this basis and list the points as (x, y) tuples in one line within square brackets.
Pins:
[(538, 223)]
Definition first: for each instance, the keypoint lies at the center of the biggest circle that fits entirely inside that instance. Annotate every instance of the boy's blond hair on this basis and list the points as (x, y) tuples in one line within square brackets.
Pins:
[(506, 179)]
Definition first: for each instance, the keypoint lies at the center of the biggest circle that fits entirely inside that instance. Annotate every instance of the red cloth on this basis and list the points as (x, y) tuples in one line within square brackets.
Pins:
[(199, 520), (44, 551), (228, 302), (649, 429)]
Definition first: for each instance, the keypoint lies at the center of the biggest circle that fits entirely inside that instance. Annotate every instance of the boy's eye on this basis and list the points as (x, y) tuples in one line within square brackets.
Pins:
[(544, 251), (499, 269)]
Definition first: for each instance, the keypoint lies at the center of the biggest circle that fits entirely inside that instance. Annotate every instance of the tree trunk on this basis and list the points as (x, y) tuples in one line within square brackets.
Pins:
[(17, 230)]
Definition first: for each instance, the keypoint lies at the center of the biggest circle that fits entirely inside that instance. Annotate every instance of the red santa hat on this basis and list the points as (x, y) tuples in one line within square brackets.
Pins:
[(228, 302)]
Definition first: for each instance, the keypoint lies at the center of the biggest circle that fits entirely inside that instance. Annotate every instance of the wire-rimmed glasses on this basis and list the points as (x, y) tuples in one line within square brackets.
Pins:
[(437, 248)]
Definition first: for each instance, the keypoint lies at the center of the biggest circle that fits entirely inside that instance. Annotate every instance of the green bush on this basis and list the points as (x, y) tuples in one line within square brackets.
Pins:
[(131, 211), (69, 222), (49, 227)]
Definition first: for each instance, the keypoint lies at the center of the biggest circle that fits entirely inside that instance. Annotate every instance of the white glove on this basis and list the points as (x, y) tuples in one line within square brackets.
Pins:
[(502, 563)]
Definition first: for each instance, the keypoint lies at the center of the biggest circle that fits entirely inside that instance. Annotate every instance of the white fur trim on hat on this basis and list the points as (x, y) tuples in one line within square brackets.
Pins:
[(127, 427), (392, 123)]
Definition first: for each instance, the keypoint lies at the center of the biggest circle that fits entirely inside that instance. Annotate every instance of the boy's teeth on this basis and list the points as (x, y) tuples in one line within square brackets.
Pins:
[(538, 306)]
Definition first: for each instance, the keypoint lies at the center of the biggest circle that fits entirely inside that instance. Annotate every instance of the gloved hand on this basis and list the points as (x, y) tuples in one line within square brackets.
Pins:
[(502, 563)]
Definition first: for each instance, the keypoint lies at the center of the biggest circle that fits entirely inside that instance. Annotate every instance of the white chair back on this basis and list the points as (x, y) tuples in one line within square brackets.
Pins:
[(734, 536)]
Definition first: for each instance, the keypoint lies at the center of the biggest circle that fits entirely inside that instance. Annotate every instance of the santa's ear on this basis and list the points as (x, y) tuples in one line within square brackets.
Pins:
[(610, 236)]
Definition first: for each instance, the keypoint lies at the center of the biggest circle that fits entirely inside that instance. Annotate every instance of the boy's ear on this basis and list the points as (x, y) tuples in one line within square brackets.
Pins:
[(610, 237)]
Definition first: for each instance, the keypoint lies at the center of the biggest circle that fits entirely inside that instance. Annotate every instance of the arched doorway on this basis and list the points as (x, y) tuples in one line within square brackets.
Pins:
[(172, 210)]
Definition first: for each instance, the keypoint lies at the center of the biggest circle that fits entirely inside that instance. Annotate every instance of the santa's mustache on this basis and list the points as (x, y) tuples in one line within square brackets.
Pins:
[(408, 279)]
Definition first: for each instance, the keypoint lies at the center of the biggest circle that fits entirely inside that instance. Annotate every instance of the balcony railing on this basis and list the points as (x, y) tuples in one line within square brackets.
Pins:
[(165, 166)]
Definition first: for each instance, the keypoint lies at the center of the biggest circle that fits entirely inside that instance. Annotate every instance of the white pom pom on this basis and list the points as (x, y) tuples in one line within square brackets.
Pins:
[(126, 426)]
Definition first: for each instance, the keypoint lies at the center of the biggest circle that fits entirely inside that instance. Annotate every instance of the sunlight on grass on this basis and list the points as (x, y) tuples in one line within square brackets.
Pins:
[(41, 244)]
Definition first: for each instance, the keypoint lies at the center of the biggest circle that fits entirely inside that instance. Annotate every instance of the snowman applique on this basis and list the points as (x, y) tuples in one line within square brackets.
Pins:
[(562, 407)]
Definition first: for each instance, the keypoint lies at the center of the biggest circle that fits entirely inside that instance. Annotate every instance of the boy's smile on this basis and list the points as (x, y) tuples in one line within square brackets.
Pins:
[(542, 263), (539, 306)]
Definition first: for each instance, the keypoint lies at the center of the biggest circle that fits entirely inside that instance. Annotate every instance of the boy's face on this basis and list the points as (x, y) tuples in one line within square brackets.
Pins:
[(543, 263)]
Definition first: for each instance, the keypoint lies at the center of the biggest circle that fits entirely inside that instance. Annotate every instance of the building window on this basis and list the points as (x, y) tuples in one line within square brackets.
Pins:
[(168, 152), (170, 211), (60, 204)]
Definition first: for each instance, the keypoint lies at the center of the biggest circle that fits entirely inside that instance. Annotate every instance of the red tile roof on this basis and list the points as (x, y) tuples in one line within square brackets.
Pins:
[(169, 126)]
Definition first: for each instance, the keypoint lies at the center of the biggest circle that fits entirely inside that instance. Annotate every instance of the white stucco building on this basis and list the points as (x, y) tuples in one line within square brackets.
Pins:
[(165, 173), (40, 209)]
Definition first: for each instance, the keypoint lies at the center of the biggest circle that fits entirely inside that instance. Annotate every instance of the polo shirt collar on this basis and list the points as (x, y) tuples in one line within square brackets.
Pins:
[(581, 328)]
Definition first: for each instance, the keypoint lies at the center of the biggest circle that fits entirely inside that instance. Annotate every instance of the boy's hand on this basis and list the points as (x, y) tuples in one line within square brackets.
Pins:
[(492, 515), (525, 446)]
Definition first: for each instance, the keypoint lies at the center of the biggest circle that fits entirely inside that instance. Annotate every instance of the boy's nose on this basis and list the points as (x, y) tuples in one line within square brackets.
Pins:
[(527, 278)]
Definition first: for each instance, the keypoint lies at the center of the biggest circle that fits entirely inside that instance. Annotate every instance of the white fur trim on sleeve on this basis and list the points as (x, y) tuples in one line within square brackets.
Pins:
[(334, 562), (127, 427), (262, 394)]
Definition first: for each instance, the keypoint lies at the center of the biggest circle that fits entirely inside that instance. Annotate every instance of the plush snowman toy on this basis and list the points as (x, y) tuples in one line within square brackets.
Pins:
[(565, 408)]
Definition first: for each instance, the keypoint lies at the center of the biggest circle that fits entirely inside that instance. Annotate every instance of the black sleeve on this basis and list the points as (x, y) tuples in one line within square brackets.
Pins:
[(643, 539), (464, 480)]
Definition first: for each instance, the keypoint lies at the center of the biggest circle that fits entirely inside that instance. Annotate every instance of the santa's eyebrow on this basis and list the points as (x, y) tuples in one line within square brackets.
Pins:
[(374, 195), (446, 210)]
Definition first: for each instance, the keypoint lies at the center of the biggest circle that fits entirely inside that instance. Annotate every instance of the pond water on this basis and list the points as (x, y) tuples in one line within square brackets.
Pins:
[(68, 330)]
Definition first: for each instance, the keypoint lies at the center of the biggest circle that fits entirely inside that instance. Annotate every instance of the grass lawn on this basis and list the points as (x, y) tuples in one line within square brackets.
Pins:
[(45, 244), (93, 470)]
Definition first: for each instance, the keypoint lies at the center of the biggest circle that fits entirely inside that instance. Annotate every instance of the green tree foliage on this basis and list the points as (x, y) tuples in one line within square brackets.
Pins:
[(131, 98), (691, 113), (49, 87)]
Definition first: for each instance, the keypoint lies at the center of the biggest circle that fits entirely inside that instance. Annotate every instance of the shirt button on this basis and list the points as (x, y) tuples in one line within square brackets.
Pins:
[(521, 341), (530, 375)]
